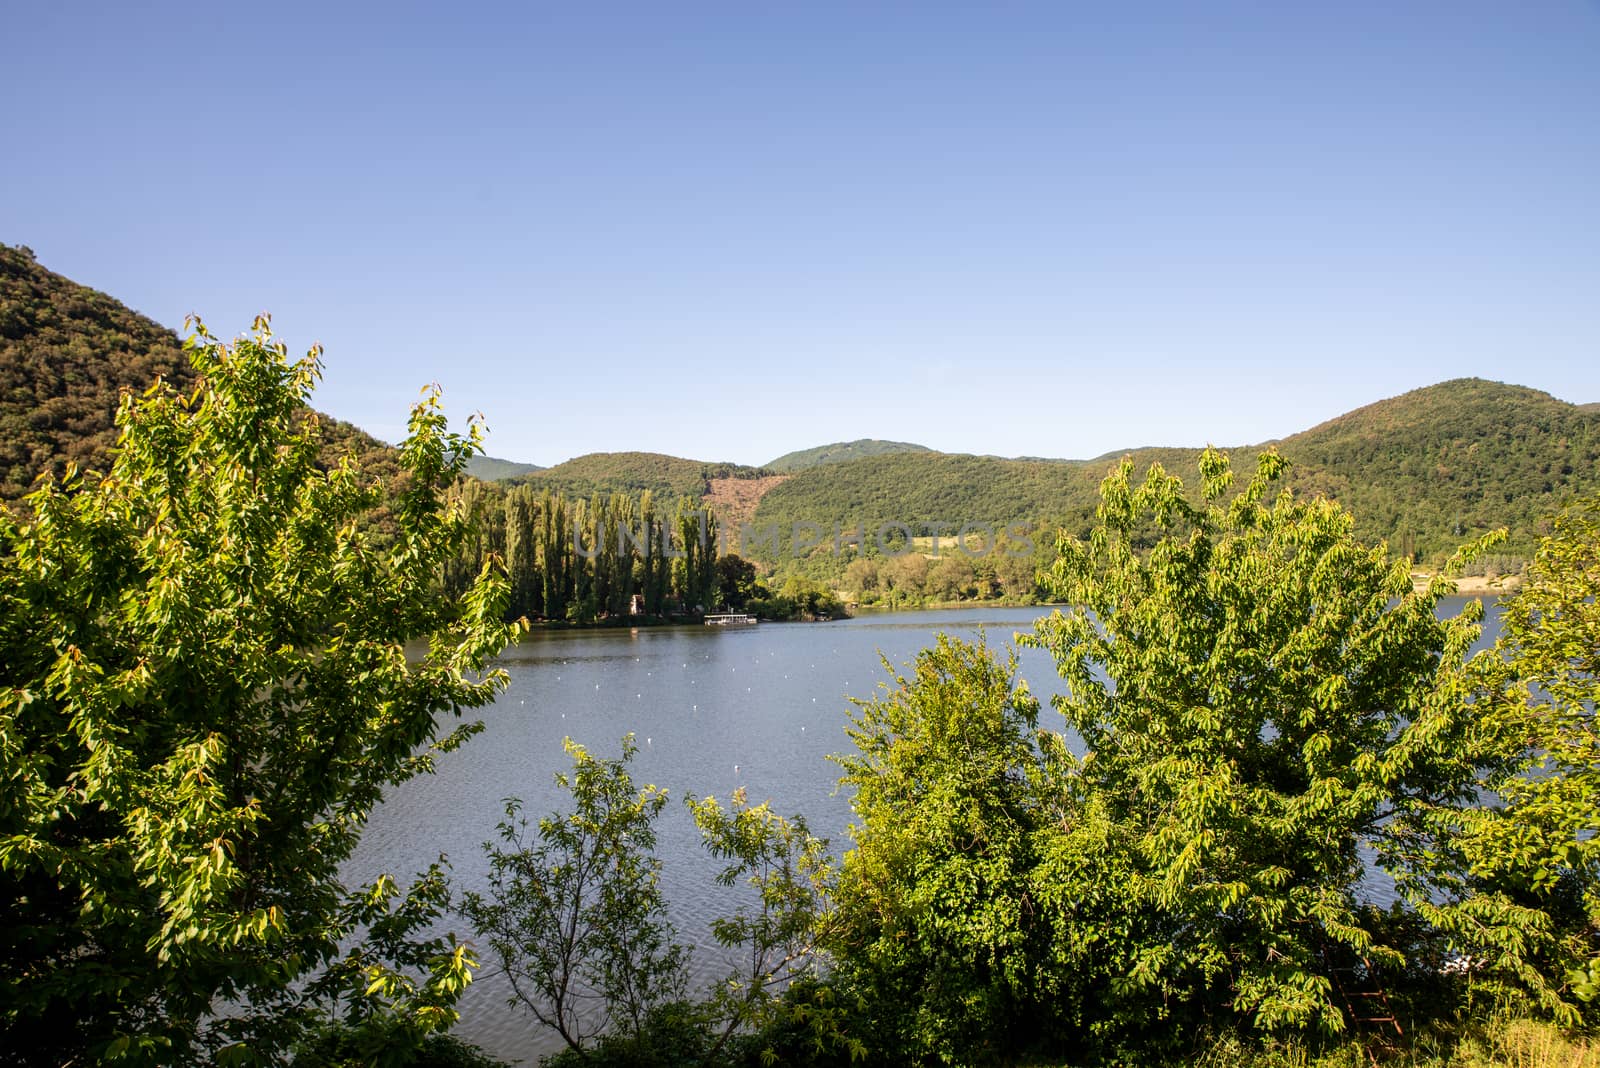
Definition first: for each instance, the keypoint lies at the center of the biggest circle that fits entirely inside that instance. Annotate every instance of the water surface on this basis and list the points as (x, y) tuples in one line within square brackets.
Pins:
[(712, 709)]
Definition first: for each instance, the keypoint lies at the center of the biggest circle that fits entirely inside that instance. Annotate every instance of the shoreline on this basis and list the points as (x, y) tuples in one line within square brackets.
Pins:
[(1471, 584)]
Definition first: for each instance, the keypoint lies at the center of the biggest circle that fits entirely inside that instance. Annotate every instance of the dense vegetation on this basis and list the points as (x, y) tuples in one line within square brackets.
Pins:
[(206, 688), (1259, 706), (667, 477), (204, 691), (615, 559), (586, 560), (838, 453), (67, 355), (494, 469), (1424, 471)]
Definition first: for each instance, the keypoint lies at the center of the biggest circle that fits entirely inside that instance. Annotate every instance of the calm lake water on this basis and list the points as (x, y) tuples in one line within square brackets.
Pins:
[(713, 710)]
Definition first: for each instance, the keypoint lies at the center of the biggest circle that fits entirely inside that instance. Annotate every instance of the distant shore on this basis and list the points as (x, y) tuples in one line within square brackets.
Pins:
[(1472, 584)]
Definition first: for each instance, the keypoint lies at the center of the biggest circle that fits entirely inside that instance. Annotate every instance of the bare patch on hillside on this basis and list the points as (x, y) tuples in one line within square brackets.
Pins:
[(733, 500)]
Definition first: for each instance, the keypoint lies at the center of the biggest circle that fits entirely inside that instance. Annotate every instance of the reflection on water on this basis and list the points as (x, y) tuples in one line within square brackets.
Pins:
[(713, 709)]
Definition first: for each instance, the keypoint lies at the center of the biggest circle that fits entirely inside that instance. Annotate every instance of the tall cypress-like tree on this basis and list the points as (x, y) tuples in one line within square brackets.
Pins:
[(521, 552)]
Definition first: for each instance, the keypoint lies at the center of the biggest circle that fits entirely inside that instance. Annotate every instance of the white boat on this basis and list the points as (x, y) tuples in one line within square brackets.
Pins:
[(730, 619)]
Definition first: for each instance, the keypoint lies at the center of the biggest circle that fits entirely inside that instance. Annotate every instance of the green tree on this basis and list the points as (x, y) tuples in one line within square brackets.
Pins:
[(861, 576), (780, 933), (1261, 697), (205, 690), (574, 910), (1517, 884), (936, 928), (736, 582), (521, 553)]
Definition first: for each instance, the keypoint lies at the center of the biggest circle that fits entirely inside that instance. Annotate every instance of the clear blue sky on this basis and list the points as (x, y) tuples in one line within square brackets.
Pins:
[(728, 231)]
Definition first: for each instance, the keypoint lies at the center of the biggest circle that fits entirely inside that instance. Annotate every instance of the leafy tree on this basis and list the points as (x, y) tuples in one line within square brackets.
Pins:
[(736, 581), (1517, 888), (520, 550), (781, 933), (1262, 698), (574, 910), (205, 690), (861, 575), (1260, 702), (936, 930)]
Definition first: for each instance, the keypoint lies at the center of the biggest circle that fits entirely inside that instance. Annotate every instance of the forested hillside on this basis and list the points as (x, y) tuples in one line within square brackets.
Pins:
[(839, 452), (1432, 466), (492, 468), (927, 487), (1425, 471), (668, 477), (68, 352)]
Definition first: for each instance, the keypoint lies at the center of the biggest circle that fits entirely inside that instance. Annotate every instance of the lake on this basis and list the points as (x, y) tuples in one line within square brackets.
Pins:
[(713, 709)]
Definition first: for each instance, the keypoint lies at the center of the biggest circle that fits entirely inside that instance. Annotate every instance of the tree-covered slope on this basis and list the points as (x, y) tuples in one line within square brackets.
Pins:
[(1426, 470), (68, 352), (1448, 461), (917, 488), (839, 452), (666, 477), (494, 469)]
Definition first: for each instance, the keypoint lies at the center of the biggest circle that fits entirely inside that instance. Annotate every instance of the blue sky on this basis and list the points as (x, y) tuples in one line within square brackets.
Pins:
[(728, 231)]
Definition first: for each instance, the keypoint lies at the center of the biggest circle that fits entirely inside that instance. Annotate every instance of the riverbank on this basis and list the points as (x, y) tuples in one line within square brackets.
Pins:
[(939, 606), (1473, 585)]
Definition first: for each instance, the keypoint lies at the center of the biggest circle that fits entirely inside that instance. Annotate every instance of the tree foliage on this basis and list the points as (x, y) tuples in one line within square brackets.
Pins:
[(1517, 888), (1257, 705), (573, 909), (937, 928), (67, 355), (574, 913), (206, 688), (1262, 698)]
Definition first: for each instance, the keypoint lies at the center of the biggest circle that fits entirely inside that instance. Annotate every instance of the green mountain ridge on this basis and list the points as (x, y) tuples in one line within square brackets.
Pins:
[(67, 354), (664, 476), (839, 452), (1426, 469), (494, 469)]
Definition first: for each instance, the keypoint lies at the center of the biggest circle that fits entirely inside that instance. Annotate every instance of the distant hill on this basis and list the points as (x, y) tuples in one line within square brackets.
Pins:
[(493, 469), (1425, 470), (839, 452), (666, 477), (68, 352), (924, 487), (1452, 460)]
